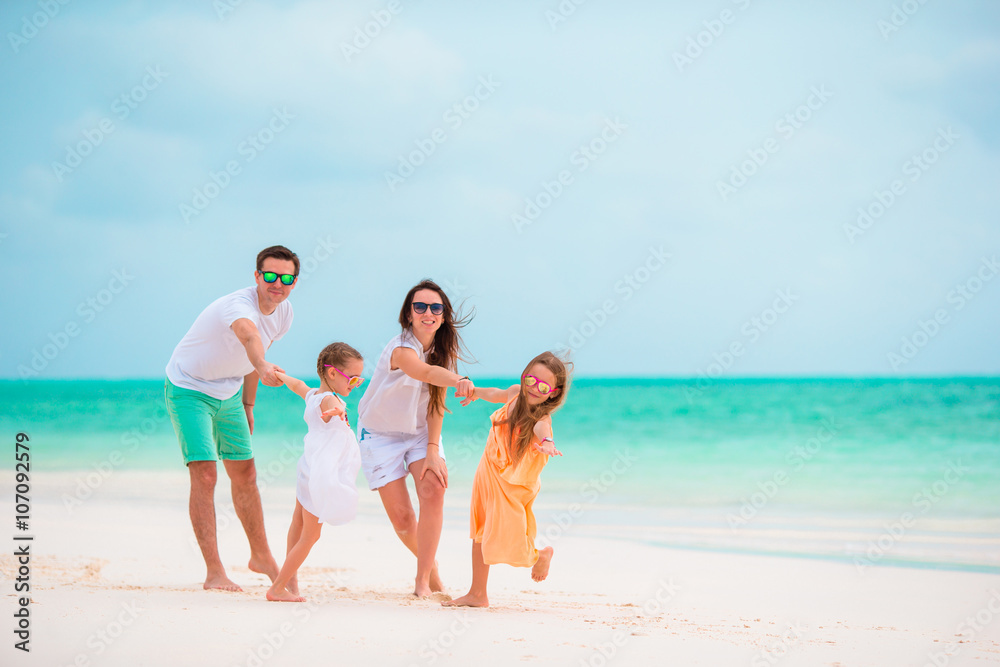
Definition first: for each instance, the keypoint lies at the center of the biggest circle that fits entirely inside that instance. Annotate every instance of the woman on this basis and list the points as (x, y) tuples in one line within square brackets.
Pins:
[(400, 418)]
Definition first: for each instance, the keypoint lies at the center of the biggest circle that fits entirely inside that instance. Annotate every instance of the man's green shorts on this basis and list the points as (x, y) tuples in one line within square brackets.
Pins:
[(208, 428)]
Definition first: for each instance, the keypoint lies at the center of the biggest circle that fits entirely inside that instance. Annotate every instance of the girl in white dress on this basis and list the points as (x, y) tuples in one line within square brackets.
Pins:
[(326, 491)]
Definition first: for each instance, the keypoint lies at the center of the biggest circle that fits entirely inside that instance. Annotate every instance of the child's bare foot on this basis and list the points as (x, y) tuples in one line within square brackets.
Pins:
[(541, 568), (267, 566), (275, 594), (468, 600), (221, 582)]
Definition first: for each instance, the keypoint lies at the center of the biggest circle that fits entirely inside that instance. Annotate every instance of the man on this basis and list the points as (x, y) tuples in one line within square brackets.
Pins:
[(210, 391)]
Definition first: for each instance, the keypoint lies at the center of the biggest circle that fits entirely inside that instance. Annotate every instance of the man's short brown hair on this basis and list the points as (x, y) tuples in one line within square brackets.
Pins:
[(278, 252)]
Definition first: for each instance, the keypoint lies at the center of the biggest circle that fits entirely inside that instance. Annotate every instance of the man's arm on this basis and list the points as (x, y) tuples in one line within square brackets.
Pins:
[(249, 396), (250, 389), (249, 337)]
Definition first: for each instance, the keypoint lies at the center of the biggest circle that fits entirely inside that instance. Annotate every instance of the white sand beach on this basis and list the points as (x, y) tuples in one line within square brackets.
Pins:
[(116, 580)]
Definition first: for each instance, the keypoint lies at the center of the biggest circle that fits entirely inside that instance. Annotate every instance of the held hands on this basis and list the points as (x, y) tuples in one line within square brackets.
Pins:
[(465, 389), (267, 373), (468, 399)]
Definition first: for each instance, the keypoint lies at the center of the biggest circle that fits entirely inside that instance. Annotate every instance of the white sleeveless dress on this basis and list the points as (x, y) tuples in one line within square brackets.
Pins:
[(328, 469)]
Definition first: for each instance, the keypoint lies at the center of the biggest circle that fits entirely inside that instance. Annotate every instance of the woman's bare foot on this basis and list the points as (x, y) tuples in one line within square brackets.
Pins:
[(433, 585), (293, 585), (275, 594), (435, 581), (541, 568), (264, 566), (221, 582), (468, 600)]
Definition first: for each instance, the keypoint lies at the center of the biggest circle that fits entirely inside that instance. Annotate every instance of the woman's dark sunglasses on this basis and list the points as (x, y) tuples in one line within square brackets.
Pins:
[(271, 276), (419, 307)]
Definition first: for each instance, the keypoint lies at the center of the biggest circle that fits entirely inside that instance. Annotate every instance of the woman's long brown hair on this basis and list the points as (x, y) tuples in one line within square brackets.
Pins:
[(522, 418), (447, 347)]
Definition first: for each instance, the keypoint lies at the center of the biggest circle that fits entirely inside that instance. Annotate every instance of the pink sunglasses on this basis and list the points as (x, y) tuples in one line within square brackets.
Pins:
[(543, 387), (352, 382)]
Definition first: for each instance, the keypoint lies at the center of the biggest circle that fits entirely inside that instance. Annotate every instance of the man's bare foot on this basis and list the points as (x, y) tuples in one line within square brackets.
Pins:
[(221, 582), (267, 566), (541, 568), (468, 600), (283, 595)]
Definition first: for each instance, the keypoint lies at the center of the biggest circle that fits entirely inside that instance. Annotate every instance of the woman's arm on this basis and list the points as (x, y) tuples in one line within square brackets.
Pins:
[(406, 360), (296, 385), (433, 462)]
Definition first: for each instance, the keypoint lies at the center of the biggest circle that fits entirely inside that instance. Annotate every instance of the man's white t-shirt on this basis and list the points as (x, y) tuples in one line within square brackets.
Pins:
[(210, 358), (394, 402)]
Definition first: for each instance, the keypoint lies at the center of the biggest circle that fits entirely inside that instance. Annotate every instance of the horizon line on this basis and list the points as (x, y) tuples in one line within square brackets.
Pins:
[(676, 378)]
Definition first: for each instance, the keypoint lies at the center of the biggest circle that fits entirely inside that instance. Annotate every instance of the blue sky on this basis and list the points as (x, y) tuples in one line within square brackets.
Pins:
[(668, 189)]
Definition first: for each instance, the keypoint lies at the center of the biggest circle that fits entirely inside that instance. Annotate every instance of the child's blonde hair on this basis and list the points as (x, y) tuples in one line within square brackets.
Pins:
[(522, 419), (335, 354)]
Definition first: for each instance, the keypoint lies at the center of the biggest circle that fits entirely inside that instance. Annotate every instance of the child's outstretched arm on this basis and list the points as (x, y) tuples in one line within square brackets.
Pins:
[(543, 430), (492, 394), (331, 407), (296, 385)]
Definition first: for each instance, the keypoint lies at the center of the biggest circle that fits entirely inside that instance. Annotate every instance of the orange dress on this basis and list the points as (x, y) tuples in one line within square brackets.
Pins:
[(502, 495)]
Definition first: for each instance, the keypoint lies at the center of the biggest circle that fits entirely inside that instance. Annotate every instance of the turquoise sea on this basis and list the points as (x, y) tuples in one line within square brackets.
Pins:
[(824, 468)]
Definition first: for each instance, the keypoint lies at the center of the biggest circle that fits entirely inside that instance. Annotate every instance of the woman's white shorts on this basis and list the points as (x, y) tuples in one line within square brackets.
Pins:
[(386, 457)]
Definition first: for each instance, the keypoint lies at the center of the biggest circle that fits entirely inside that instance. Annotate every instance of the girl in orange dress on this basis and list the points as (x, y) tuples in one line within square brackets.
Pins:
[(502, 525)]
